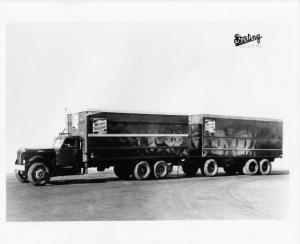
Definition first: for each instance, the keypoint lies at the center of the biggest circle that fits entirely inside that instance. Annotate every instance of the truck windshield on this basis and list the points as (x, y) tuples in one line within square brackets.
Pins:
[(58, 142)]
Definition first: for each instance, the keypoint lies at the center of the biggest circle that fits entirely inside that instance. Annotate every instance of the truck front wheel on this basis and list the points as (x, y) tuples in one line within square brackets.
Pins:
[(141, 170), (210, 167), (21, 176), (38, 174)]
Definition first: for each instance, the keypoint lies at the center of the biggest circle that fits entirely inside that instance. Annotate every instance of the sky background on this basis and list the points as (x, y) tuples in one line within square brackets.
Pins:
[(166, 67)]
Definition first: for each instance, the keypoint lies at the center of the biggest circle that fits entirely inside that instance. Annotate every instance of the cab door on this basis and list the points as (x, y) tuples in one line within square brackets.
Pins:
[(71, 152)]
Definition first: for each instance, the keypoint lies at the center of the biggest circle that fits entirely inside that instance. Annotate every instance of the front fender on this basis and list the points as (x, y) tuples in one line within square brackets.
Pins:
[(37, 158), (42, 159)]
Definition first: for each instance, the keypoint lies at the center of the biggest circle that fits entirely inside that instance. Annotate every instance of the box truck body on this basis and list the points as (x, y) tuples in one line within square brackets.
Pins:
[(124, 136), (231, 136)]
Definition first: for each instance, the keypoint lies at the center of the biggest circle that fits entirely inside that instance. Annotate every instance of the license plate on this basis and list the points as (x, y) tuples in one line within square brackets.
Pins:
[(19, 167)]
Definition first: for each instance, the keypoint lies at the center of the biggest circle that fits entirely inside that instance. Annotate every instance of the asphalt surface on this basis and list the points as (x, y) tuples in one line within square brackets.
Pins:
[(102, 196)]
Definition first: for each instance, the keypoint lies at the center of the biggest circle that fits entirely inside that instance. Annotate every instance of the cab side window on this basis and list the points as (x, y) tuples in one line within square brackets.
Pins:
[(70, 142)]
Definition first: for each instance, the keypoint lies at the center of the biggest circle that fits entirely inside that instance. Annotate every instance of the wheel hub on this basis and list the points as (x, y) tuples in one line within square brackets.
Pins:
[(142, 170), (252, 167), (160, 169), (265, 166), (39, 174), (211, 167)]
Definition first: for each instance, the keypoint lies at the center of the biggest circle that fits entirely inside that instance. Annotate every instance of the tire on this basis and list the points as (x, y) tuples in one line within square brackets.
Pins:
[(117, 171), (160, 170), (251, 167), (21, 177), (141, 170), (190, 168), (210, 168), (38, 174), (265, 167), (123, 171)]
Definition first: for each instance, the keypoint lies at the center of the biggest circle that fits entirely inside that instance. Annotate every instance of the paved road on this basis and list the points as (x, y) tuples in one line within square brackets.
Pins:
[(104, 197)]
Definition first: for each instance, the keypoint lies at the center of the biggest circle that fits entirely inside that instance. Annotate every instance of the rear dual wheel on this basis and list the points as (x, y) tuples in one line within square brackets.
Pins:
[(253, 167), (142, 170)]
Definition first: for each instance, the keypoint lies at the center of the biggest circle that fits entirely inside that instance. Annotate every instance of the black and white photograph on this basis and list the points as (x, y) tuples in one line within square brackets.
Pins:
[(150, 121)]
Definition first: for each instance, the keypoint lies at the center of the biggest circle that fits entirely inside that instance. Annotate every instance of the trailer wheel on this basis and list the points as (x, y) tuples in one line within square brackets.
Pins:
[(123, 171), (38, 174), (190, 168), (251, 167), (160, 169), (210, 167), (21, 177), (141, 170), (117, 171), (265, 167)]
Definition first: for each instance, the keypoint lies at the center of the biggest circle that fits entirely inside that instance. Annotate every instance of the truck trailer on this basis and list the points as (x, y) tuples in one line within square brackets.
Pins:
[(142, 146)]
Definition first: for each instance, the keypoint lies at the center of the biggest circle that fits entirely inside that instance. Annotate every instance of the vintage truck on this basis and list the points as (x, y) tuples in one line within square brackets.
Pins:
[(143, 146)]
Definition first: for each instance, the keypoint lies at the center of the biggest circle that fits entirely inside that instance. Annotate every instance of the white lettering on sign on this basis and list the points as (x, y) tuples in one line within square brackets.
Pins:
[(100, 126), (210, 126)]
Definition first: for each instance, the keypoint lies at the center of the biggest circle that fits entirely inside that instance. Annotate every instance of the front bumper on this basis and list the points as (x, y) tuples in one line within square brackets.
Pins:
[(19, 167)]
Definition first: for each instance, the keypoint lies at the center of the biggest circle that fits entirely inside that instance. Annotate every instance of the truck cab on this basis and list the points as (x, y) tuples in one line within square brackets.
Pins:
[(37, 165), (68, 151)]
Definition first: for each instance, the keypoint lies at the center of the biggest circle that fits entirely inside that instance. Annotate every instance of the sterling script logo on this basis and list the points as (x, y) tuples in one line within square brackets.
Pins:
[(240, 40)]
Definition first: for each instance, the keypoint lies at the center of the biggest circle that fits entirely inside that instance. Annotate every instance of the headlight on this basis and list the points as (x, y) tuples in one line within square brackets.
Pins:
[(24, 161)]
